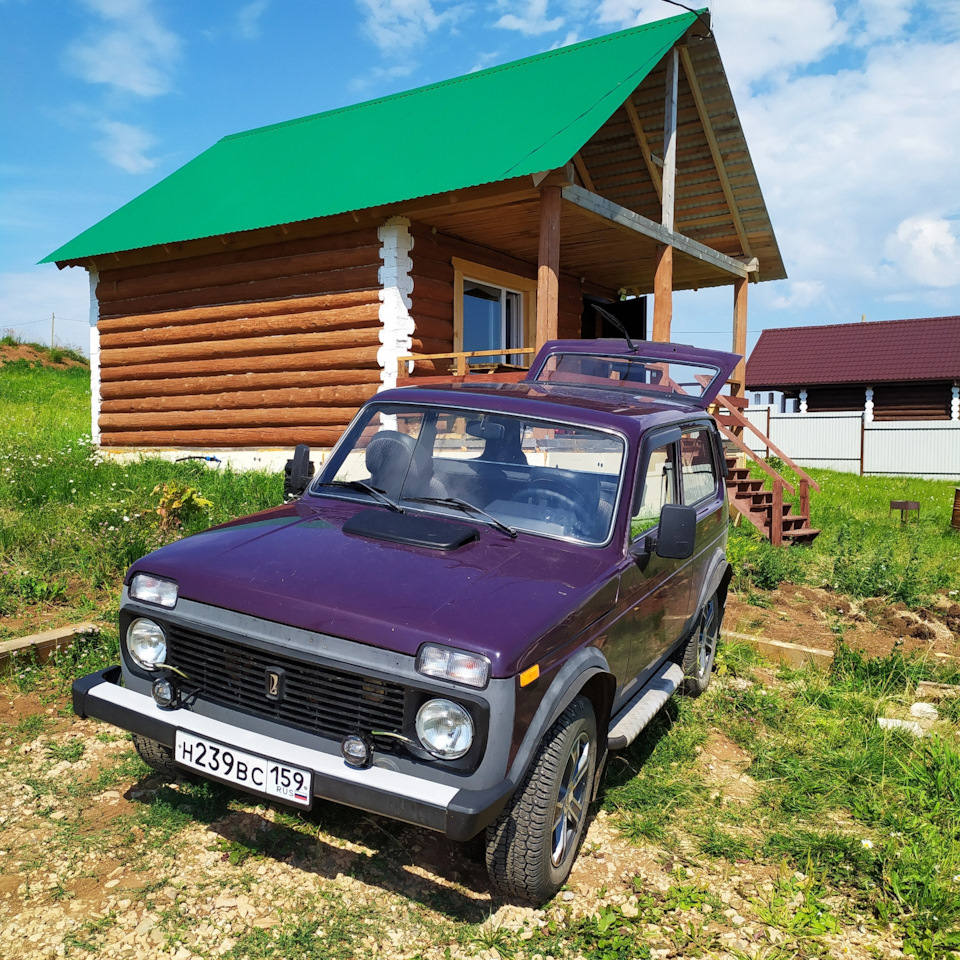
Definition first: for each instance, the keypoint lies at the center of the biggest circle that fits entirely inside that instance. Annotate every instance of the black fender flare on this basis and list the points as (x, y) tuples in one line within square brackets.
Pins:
[(583, 666), (719, 574)]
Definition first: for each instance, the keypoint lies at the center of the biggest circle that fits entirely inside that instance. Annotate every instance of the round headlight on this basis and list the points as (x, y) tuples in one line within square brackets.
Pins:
[(146, 643), (445, 729)]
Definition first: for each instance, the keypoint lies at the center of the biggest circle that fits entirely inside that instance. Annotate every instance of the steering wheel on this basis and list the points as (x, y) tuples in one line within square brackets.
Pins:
[(560, 495)]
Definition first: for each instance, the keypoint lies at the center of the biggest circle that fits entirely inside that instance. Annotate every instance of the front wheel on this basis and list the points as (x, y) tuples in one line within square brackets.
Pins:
[(531, 846), (701, 648)]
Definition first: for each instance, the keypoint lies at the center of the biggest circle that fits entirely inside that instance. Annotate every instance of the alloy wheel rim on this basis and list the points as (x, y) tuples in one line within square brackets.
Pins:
[(571, 808), (707, 640)]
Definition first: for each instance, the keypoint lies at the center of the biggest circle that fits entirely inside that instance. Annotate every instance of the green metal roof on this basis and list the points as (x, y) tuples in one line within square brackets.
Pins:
[(515, 119)]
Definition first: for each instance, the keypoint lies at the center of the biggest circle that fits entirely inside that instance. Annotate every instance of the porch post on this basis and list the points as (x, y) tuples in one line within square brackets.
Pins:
[(740, 335), (548, 271), (663, 277)]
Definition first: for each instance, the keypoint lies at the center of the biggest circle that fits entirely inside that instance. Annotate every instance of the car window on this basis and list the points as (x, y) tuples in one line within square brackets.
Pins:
[(697, 467), (552, 479), (658, 482)]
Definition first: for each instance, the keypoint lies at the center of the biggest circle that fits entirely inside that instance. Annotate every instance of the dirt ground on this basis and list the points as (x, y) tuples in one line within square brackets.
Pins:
[(25, 351), (816, 618)]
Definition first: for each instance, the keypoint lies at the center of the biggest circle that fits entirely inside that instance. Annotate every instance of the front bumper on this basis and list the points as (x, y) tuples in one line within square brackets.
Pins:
[(458, 813)]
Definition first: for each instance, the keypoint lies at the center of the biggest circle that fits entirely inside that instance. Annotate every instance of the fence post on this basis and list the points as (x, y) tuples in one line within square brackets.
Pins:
[(776, 514)]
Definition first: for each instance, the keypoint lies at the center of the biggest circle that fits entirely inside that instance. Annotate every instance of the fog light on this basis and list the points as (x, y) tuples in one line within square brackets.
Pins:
[(164, 692), (357, 751)]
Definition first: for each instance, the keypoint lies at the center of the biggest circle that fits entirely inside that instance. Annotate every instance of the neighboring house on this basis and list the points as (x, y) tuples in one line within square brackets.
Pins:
[(888, 370), (258, 295), (873, 398)]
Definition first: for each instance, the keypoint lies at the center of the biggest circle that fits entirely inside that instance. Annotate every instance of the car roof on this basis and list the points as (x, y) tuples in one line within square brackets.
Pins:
[(587, 405)]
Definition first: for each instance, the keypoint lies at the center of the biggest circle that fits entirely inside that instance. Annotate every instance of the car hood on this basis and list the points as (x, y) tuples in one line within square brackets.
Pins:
[(294, 565)]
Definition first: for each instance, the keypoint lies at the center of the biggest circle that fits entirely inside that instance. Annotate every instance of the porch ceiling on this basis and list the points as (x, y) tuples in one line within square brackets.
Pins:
[(602, 252)]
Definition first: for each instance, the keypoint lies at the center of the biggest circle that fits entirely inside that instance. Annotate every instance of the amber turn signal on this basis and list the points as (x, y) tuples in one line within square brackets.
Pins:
[(529, 675)]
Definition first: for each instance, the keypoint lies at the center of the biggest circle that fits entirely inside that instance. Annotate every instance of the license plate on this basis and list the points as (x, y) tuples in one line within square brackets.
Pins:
[(259, 774)]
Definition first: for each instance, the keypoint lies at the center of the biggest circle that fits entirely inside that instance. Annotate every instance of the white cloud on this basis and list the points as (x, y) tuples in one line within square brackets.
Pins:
[(248, 18), (530, 17), (125, 146), (799, 294), (927, 250), (847, 157), (132, 52), (397, 25), (28, 298)]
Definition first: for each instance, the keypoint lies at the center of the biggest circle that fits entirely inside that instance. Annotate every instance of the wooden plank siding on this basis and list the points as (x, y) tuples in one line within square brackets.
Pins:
[(264, 346)]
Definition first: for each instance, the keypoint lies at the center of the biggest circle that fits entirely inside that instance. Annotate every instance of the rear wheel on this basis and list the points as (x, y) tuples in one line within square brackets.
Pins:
[(701, 648), (156, 755), (532, 844)]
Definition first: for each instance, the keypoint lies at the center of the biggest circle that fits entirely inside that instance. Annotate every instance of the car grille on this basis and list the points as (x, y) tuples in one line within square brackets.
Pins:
[(316, 698)]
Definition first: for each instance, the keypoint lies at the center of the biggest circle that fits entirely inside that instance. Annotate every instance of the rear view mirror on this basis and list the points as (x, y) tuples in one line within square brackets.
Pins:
[(678, 532), (297, 473)]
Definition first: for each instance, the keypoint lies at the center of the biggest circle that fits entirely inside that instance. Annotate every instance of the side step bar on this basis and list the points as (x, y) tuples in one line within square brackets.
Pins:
[(638, 712)]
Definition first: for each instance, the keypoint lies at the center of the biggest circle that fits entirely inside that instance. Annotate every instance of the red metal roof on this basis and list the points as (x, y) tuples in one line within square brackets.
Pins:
[(890, 350)]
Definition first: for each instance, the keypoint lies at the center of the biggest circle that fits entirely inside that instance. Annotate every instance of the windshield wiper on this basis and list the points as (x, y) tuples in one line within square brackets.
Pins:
[(467, 507), (366, 488)]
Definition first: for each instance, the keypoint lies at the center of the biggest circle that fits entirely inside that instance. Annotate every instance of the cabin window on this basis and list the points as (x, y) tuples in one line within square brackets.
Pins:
[(493, 310)]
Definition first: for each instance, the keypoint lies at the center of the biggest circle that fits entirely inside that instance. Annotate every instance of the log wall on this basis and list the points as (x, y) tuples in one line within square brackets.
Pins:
[(432, 297), (267, 346)]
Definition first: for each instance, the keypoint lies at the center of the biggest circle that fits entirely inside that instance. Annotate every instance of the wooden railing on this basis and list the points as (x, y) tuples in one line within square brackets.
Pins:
[(460, 366), (731, 406)]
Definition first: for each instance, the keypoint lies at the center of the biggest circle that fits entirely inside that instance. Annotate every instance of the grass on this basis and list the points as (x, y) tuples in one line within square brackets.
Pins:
[(70, 524), (859, 813), (862, 550)]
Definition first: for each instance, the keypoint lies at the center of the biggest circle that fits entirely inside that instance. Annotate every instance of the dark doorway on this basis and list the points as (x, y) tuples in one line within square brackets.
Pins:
[(631, 313)]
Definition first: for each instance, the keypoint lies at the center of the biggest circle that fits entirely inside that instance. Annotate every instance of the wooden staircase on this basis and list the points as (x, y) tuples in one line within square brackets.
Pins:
[(779, 520)]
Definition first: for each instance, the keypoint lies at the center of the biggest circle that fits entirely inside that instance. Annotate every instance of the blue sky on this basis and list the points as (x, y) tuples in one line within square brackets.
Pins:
[(851, 110)]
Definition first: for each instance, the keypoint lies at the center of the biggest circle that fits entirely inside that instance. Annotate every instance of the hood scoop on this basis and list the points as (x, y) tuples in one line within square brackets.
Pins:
[(411, 530)]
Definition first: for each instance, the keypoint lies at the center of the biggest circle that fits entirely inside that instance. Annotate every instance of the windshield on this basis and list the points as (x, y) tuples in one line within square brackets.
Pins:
[(557, 480)]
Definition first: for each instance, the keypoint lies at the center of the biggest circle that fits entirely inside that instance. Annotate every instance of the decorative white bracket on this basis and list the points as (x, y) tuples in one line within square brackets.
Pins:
[(94, 357), (396, 286)]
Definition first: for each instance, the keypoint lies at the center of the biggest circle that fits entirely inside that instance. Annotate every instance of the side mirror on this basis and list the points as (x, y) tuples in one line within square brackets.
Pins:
[(297, 473), (677, 535)]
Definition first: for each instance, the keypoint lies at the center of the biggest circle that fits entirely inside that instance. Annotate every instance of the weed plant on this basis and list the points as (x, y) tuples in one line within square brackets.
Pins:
[(71, 522)]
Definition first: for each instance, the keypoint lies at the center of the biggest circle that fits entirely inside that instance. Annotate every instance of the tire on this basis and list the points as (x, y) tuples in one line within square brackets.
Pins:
[(701, 648), (156, 755), (531, 846)]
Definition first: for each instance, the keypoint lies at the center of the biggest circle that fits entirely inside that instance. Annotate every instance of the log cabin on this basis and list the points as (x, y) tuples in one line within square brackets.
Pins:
[(889, 370), (259, 294)]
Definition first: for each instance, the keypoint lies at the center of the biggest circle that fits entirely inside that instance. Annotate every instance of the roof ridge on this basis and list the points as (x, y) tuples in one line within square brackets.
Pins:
[(440, 84), (858, 324)]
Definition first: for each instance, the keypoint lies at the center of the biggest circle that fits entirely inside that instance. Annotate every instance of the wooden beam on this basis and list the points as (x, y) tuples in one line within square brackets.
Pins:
[(715, 150), (739, 334), (663, 294), (623, 217), (584, 173), (670, 139), (644, 145), (548, 271)]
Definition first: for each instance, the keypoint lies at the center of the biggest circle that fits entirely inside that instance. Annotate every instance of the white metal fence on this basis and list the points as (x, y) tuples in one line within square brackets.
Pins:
[(843, 441)]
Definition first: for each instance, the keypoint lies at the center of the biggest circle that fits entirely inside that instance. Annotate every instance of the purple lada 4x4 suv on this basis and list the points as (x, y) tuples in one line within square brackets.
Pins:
[(485, 589)]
